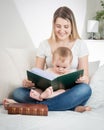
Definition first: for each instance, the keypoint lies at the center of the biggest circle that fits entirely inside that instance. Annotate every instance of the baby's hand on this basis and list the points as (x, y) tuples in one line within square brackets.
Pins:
[(27, 83)]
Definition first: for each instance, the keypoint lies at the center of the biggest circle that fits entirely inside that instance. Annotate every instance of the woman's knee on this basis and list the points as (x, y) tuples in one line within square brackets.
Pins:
[(18, 93), (85, 89)]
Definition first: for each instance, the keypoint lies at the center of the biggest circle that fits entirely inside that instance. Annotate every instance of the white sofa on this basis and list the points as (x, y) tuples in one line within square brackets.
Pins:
[(13, 66)]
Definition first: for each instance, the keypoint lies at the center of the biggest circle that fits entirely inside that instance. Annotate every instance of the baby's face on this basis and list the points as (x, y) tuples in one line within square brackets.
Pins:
[(60, 65)]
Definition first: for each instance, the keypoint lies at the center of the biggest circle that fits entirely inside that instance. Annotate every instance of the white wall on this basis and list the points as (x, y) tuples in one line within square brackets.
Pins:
[(24, 23), (13, 32), (92, 7), (37, 15)]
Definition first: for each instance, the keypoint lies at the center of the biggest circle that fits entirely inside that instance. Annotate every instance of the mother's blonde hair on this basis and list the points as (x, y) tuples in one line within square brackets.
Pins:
[(67, 14)]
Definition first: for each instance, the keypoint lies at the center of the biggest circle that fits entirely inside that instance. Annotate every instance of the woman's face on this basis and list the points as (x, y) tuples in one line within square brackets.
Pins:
[(62, 29)]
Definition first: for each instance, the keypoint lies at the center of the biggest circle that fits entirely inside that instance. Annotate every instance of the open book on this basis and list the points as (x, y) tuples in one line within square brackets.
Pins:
[(43, 79)]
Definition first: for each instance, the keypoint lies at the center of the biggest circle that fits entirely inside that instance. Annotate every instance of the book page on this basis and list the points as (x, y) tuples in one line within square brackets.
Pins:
[(43, 73)]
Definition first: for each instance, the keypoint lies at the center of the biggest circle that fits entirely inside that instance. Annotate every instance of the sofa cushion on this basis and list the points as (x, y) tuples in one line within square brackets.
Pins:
[(22, 59), (13, 66), (8, 74)]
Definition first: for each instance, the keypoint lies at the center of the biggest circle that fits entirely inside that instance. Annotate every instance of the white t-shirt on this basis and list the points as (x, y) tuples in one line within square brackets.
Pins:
[(79, 50)]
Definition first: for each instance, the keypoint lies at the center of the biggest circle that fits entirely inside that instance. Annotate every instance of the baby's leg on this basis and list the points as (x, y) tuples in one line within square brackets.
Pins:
[(47, 93), (55, 93), (35, 94)]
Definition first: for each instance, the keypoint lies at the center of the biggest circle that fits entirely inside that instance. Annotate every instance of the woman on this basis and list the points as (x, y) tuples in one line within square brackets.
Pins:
[(64, 34)]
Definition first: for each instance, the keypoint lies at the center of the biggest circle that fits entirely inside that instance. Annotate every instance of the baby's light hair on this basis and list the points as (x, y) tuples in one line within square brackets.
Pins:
[(63, 52)]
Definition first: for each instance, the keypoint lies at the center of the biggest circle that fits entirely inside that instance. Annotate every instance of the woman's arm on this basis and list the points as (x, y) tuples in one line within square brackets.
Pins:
[(83, 64), (40, 62)]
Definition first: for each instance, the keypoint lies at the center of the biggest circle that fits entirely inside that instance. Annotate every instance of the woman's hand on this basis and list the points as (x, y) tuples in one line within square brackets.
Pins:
[(27, 83), (83, 79)]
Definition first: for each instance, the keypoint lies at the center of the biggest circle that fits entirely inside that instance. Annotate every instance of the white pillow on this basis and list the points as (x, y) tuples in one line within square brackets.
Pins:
[(97, 85), (93, 66)]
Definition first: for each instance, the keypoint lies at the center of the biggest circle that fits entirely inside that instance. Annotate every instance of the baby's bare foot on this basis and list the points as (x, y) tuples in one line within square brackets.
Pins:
[(82, 108), (47, 93), (35, 95)]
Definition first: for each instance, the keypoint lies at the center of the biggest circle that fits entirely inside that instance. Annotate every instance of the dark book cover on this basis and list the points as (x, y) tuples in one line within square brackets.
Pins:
[(43, 79)]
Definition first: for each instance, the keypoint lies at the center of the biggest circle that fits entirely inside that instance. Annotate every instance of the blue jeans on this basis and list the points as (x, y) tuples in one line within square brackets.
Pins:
[(78, 95)]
